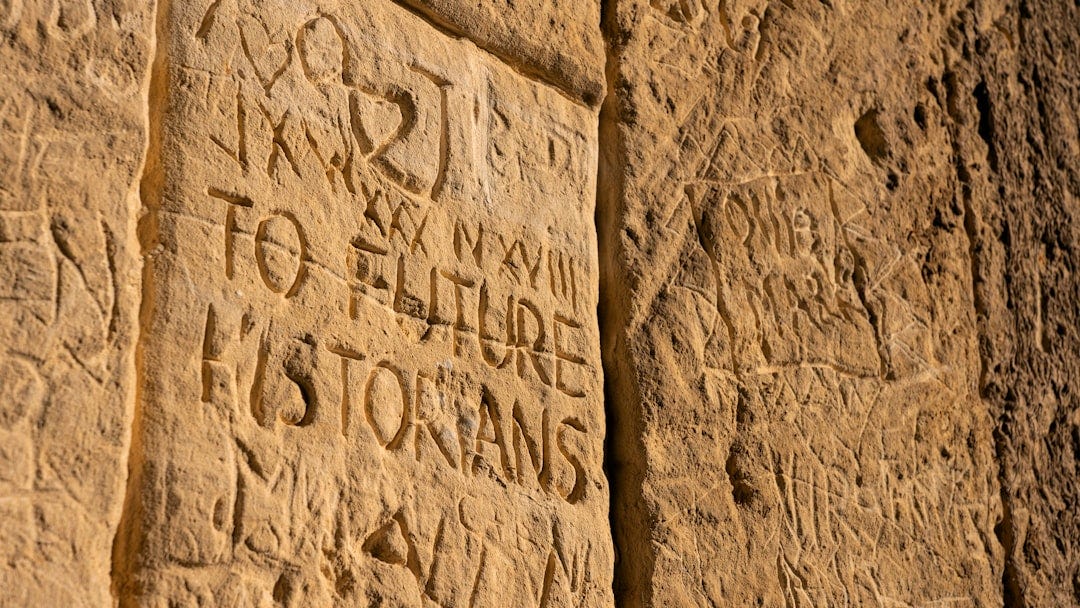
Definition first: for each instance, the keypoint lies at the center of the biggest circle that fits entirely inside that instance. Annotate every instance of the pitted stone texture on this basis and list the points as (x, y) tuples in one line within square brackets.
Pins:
[(1025, 100), (792, 352), (72, 135), (370, 361), (557, 41)]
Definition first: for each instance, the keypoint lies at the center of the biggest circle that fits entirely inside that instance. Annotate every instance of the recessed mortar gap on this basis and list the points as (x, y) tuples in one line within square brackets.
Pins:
[(144, 227), (624, 451)]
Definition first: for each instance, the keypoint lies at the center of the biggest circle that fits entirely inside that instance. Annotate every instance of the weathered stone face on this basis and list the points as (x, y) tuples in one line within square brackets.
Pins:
[(72, 131), (437, 303), (370, 359), (556, 41), (794, 367)]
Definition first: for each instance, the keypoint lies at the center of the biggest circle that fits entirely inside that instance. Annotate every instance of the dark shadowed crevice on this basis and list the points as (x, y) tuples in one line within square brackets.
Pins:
[(624, 450), (1005, 530), (986, 122), (974, 222), (871, 137), (978, 227), (151, 185)]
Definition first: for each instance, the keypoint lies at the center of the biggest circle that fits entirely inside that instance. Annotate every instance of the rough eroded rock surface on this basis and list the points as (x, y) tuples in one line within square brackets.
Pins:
[(72, 135), (793, 348), (1026, 112)]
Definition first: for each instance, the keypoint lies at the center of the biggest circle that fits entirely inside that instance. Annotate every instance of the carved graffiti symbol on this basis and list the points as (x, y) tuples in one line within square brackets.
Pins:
[(283, 389), (71, 18), (459, 371), (21, 391), (273, 250), (385, 388), (233, 202), (210, 355), (412, 411), (394, 117), (280, 246)]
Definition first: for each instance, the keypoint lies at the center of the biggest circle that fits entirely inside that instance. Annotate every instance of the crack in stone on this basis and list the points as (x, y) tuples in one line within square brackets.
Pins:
[(150, 191)]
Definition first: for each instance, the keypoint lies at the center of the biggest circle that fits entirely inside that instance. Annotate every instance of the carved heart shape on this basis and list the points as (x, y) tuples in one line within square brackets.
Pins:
[(267, 57), (375, 121)]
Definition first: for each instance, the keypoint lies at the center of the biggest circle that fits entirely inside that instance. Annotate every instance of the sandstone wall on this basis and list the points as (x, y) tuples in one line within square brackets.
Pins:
[(544, 303), (794, 366), (73, 131), (369, 359)]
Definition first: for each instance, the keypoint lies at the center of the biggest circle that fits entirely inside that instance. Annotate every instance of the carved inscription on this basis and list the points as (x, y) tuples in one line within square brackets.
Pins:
[(817, 341), (377, 261)]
